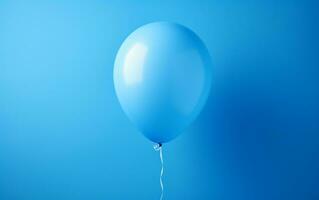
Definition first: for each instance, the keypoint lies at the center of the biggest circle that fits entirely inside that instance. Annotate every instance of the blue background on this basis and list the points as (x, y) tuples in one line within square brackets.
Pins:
[(63, 134)]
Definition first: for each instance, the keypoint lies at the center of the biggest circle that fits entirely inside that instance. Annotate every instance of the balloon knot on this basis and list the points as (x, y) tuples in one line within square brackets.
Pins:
[(157, 146)]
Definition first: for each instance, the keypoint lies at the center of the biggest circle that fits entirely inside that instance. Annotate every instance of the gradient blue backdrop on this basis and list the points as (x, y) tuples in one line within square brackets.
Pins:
[(64, 136)]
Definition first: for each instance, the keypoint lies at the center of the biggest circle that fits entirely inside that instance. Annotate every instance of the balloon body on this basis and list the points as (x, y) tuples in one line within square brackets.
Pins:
[(162, 77)]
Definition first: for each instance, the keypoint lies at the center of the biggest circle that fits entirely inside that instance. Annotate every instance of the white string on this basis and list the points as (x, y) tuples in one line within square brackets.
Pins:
[(158, 147), (162, 171)]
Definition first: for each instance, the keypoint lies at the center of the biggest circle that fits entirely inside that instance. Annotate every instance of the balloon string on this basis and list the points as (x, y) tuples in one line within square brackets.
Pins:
[(158, 147), (161, 176)]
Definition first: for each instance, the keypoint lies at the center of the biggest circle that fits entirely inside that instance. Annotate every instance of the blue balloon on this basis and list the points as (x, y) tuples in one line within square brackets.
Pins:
[(162, 78)]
